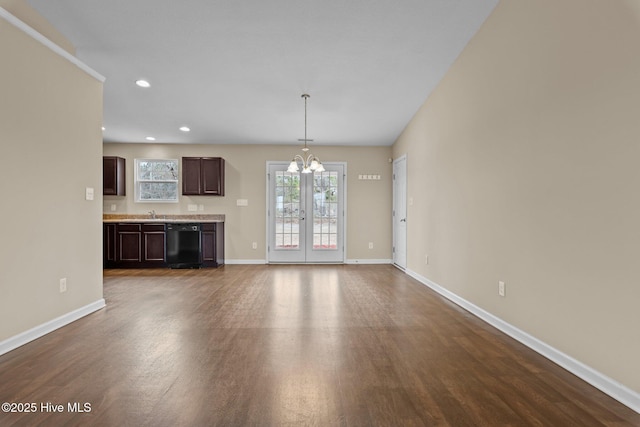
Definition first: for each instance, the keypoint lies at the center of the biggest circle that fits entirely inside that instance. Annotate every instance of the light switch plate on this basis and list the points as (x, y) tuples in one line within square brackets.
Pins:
[(242, 202), (88, 193)]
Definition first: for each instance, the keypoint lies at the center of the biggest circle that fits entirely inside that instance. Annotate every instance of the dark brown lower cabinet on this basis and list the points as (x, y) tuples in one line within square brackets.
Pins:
[(212, 238), (153, 245), (143, 245), (129, 245), (109, 245), (136, 245)]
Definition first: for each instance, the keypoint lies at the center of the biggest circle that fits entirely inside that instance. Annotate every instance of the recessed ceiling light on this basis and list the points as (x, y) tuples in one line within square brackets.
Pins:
[(150, 138), (143, 83), (103, 128), (185, 129)]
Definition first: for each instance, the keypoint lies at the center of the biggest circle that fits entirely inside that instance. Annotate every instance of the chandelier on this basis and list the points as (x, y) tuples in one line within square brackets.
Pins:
[(311, 163)]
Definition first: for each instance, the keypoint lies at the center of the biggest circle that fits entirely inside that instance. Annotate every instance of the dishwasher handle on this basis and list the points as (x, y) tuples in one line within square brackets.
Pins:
[(183, 227)]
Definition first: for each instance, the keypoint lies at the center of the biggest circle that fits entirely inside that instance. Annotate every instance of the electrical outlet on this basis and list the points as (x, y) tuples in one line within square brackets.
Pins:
[(426, 259), (501, 289), (113, 207), (254, 245), (63, 285), (370, 245)]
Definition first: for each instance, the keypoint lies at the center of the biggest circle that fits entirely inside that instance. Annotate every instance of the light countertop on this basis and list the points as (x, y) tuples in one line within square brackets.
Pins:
[(160, 218)]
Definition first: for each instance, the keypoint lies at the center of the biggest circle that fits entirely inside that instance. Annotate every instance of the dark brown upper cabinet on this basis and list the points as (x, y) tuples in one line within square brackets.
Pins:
[(203, 176), (113, 173)]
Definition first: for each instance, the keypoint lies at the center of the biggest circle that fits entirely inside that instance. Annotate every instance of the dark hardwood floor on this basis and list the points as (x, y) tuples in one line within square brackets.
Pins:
[(290, 345)]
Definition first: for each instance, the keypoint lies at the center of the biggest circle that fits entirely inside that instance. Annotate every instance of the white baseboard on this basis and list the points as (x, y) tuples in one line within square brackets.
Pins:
[(607, 385), (245, 261), (368, 261), (50, 326), (349, 261)]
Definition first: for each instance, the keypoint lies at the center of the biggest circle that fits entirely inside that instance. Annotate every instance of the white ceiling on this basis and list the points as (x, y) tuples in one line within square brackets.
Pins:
[(234, 70)]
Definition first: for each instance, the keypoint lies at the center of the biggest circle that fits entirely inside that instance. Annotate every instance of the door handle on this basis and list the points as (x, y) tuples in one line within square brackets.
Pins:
[(302, 215), (403, 220)]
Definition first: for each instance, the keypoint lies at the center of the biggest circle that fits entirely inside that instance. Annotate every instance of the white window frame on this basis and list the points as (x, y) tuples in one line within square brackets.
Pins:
[(139, 181)]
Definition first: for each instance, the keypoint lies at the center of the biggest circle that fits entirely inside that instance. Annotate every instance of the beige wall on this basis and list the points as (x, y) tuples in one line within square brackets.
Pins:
[(50, 146), (23, 11), (523, 167), (368, 202)]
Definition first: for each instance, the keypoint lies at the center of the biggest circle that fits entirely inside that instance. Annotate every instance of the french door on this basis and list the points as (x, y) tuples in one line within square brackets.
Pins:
[(305, 214)]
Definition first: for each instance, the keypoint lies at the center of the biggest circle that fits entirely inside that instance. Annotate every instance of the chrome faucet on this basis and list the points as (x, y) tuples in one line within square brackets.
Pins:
[(153, 214)]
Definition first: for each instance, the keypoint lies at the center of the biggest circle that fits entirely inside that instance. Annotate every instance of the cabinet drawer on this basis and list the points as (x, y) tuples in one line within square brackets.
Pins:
[(208, 226), (152, 227), (128, 227)]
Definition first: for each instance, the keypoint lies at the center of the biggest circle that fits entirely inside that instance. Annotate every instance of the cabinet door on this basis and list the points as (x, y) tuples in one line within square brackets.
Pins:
[(153, 237), (109, 241), (113, 176), (129, 247), (219, 244), (191, 173), (203, 176), (208, 233), (129, 243), (212, 244), (212, 176)]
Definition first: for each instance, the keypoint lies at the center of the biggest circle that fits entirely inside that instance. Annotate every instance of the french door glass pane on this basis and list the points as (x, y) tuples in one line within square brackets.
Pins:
[(325, 210), (287, 227)]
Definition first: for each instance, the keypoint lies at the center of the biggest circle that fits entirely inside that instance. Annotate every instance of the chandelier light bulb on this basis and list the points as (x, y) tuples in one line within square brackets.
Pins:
[(293, 166)]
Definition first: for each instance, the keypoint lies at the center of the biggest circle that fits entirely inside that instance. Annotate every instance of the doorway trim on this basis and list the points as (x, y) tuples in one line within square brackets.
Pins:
[(343, 214), (399, 213)]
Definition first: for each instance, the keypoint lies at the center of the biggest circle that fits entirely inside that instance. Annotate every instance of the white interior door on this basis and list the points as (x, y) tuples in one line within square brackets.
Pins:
[(400, 212), (305, 214)]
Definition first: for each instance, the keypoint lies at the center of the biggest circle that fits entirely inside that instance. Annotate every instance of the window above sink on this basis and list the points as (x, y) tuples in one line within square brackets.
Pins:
[(156, 180)]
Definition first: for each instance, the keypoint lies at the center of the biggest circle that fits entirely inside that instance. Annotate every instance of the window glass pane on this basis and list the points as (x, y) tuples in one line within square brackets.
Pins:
[(156, 180), (164, 171), (325, 215), (158, 191), (144, 170), (287, 210)]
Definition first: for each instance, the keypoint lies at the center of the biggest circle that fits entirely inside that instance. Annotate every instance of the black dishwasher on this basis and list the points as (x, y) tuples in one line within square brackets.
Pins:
[(184, 246)]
